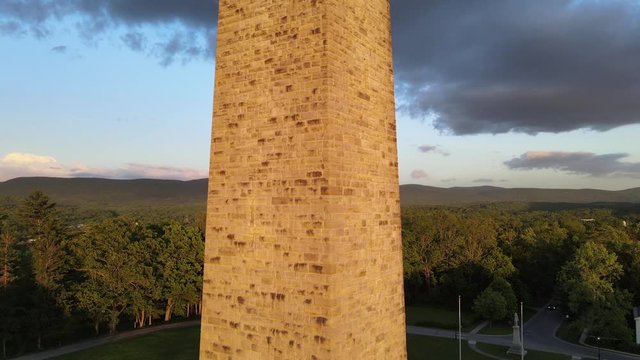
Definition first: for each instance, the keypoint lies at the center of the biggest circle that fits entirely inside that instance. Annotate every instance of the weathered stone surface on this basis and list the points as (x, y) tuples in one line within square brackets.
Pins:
[(303, 255)]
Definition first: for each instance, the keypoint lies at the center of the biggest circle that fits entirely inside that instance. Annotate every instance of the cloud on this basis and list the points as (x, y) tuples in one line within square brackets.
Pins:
[(24, 164), (61, 49), (585, 163), (503, 66), (425, 148), (140, 171), (92, 18), (418, 174), (135, 41)]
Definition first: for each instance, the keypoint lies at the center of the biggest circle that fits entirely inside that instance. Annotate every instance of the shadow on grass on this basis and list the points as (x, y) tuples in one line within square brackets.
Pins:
[(173, 344), (501, 351), (504, 328), (439, 317)]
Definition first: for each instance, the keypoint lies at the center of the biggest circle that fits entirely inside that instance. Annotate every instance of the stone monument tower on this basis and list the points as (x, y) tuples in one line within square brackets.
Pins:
[(303, 254)]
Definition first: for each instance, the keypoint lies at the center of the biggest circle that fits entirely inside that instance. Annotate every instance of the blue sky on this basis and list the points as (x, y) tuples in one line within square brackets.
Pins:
[(512, 94)]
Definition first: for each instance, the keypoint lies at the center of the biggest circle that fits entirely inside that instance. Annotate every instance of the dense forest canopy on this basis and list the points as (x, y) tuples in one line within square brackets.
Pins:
[(66, 272), (495, 256)]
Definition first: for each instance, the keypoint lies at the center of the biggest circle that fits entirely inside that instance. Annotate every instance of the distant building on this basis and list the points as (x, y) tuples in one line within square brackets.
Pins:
[(587, 220)]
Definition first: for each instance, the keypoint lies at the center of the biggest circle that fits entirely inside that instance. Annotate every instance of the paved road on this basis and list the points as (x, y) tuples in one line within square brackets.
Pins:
[(540, 331), (104, 340), (538, 335)]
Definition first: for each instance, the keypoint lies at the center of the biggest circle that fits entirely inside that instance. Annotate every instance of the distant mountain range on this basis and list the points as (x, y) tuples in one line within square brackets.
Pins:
[(107, 193), (150, 192), (429, 195)]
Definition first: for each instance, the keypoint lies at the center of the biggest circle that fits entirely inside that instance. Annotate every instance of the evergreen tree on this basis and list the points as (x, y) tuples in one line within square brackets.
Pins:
[(8, 254), (47, 236)]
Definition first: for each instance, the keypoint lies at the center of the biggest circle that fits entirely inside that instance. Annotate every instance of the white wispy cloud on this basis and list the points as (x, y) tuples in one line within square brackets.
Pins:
[(17, 164)]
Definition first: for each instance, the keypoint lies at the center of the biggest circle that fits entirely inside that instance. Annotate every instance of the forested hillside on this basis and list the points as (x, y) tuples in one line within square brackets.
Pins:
[(429, 195), (107, 193), (61, 279), (67, 272), (495, 256)]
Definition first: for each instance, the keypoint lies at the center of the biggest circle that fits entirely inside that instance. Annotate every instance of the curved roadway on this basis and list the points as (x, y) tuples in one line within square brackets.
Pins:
[(539, 334)]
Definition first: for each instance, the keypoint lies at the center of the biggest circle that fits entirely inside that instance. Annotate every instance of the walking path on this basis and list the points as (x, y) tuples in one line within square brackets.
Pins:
[(105, 340), (539, 334)]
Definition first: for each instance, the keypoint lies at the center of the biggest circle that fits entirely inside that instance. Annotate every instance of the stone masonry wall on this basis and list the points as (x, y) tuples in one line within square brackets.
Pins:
[(303, 255)]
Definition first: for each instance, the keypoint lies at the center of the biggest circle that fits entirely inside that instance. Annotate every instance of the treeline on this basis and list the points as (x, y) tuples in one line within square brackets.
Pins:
[(495, 256), (60, 278), (64, 274)]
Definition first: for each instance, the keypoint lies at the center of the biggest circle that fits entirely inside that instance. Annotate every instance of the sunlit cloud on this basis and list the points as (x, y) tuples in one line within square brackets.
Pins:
[(18, 164), (584, 163), (418, 174)]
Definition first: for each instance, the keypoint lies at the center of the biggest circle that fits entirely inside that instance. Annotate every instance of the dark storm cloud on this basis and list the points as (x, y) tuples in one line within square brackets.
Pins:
[(192, 22), (576, 163), (500, 66)]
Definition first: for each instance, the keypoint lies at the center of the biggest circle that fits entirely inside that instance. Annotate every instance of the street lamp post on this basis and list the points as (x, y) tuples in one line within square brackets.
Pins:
[(459, 329), (521, 332), (598, 341)]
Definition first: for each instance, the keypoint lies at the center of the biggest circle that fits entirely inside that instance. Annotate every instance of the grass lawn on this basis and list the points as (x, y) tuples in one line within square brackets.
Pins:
[(182, 344), (433, 316), (433, 348), (569, 332), (501, 351), (503, 328), (174, 344)]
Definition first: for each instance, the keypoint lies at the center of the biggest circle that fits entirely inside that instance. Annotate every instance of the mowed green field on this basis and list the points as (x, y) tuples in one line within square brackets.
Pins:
[(182, 344), (174, 344), (438, 317)]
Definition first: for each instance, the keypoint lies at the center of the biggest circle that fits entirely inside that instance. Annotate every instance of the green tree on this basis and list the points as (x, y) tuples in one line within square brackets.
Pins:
[(502, 287), (589, 278), (491, 305), (607, 317), (43, 227), (497, 264), (108, 262), (179, 266), (91, 300), (8, 255)]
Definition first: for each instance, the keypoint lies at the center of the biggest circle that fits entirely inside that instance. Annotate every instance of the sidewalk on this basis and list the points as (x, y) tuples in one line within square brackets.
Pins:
[(104, 340)]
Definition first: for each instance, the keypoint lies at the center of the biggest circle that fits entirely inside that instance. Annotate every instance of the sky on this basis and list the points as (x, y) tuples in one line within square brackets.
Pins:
[(508, 93)]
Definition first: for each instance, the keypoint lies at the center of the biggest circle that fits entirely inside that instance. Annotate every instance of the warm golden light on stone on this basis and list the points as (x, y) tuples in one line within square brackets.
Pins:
[(303, 255)]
